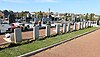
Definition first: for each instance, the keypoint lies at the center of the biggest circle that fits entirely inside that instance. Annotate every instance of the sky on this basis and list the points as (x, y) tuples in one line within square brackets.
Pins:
[(62, 6)]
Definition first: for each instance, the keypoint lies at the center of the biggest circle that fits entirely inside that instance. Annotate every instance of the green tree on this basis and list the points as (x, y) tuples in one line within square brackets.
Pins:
[(86, 16), (92, 16), (65, 16)]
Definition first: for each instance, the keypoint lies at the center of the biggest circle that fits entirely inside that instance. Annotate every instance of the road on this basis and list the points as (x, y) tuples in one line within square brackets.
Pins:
[(85, 46)]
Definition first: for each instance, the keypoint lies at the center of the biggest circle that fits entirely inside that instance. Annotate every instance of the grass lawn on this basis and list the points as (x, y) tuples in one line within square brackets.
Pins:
[(19, 50)]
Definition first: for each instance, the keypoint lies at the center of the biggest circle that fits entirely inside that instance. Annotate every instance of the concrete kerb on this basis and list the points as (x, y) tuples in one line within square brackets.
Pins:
[(48, 47)]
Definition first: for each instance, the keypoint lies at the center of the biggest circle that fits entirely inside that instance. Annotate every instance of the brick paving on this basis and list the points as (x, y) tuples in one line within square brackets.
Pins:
[(85, 46)]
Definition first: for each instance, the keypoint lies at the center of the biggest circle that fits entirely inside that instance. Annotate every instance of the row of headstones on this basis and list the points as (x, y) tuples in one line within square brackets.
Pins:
[(17, 36), (82, 25)]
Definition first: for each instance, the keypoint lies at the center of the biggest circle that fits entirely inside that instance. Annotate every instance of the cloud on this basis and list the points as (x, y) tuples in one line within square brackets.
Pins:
[(28, 1)]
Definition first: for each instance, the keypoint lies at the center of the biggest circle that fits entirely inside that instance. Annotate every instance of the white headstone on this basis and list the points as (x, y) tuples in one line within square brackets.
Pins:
[(64, 28), (57, 29), (74, 27), (79, 26), (47, 32), (68, 27), (17, 35), (87, 24), (82, 25), (35, 32)]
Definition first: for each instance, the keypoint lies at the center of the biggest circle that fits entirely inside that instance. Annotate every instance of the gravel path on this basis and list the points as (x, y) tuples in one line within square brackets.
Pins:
[(85, 46)]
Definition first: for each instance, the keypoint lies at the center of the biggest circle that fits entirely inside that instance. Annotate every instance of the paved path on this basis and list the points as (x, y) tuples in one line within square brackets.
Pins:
[(85, 46)]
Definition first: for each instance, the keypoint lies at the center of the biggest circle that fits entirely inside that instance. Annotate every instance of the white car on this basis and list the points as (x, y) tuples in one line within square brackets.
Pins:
[(4, 27)]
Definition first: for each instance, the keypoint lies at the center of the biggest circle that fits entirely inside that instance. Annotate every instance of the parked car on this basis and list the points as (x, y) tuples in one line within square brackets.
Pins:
[(4, 27)]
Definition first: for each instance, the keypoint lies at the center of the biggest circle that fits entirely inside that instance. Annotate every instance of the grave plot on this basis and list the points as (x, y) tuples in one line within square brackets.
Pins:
[(27, 35)]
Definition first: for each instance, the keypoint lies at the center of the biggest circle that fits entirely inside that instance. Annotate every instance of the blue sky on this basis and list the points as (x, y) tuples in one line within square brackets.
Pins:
[(71, 6)]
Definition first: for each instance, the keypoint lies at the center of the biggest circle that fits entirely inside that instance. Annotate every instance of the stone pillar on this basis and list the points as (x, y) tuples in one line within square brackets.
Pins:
[(47, 32), (35, 32), (64, 28), (68, 27), (79, 26), (74, 27), (17, 35), (57, 29)]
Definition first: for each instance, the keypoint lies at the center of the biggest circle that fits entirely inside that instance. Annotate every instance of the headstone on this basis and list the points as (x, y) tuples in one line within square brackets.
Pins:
[(68, 27), (35, 32), (74, 27), (87, 24), (90, 24), (17, 35), (64, 28), (79, 26), (47, 32), (82, 25), (97, 22), (57, 29)]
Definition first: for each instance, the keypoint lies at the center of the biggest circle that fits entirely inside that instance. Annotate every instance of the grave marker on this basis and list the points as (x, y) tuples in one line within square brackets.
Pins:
[(64, 28), (35, 32), (68, 27), (57, 29), (17, 35), (79, 26), (47, 32), (74, 26)]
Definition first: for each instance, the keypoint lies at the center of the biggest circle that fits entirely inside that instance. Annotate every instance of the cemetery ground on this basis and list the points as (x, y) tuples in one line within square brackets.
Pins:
[(32, 46)]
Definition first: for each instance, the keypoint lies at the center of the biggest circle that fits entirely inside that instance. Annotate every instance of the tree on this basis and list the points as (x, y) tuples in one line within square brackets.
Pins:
[(92, 16), (86, 16), (40, 15), (6, 13), (11, 12), (65, 16)]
